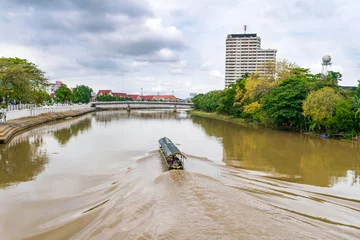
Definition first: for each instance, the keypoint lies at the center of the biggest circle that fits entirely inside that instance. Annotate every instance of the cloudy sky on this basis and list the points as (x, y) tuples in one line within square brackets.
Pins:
[(173, 45)]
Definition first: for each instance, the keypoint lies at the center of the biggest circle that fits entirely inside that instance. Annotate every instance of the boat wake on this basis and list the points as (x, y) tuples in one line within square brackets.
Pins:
[(203, 201)]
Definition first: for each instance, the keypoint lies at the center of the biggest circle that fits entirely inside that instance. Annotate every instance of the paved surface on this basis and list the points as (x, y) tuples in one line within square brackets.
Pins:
[(11, 127)]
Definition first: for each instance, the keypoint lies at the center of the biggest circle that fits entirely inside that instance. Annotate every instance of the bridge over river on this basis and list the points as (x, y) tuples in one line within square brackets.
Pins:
[(128, 105)]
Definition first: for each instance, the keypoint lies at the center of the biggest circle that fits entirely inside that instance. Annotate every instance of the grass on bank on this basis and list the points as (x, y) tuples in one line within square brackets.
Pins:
[(247, 122), (214, 115)]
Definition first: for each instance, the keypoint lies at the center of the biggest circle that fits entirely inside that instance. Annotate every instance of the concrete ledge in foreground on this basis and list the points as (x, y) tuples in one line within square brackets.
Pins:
[(11, 127)]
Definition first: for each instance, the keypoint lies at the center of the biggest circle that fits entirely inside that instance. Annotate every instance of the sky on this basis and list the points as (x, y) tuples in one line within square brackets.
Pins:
[(168, 46)]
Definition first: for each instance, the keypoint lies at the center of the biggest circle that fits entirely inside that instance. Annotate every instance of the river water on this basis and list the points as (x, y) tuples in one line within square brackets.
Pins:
[(100, 176)]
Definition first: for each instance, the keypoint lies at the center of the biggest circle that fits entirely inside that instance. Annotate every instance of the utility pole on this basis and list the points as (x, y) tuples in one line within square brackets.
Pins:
[(122, 74)]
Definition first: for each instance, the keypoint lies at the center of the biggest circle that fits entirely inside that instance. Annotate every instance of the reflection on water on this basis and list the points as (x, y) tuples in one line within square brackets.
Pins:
[(22, 161), (23, 158), (100, 176), (287, 156), (63, 135), (107, 117)]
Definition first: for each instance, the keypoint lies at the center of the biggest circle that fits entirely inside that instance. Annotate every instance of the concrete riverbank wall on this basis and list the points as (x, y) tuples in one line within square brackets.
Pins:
[(12, 127)]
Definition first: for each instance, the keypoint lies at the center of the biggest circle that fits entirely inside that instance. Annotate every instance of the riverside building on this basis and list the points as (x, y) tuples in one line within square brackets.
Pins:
[(244, 55)]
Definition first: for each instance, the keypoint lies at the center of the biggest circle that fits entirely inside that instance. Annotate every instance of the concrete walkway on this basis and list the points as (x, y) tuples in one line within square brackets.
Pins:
[(11, 127)]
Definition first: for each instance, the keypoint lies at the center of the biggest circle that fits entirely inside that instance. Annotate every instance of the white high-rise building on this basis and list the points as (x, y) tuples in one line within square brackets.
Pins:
[(244, 55)]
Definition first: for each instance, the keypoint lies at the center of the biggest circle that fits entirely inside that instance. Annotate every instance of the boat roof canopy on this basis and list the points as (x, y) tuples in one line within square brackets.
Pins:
[(169, 147)]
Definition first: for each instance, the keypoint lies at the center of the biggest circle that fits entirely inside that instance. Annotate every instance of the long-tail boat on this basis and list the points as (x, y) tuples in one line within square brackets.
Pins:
[(171, 155)]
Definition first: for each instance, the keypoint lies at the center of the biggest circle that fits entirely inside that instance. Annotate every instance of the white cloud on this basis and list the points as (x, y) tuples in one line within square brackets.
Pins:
[(158, 88), (137, 64), (156, 25), (177, 67), (215, 73), (175, 45), (166, 54), (205, 66)]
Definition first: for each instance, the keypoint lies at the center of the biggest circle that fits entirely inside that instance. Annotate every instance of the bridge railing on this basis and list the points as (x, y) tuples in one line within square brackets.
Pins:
[(141, 102)]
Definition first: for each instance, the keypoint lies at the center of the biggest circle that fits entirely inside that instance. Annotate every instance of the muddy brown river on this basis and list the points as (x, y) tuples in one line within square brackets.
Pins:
[(100, 176)]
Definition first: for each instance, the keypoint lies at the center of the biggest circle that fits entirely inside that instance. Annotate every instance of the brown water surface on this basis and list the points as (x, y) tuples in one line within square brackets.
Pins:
[(100, 177)]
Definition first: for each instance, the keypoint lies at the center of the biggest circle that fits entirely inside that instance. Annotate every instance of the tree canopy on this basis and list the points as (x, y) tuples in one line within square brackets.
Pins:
[(63, 94), (109, 98), (82, 94), (284, 103), (21, 80), (283, 94), (320, 104)]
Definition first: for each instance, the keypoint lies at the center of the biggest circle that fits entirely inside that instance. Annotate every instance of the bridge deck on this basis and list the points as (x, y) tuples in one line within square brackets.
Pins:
[(142, 102)]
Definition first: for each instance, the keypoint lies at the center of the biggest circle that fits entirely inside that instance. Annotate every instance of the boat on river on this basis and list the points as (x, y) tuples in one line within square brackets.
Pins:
[(171, 155)]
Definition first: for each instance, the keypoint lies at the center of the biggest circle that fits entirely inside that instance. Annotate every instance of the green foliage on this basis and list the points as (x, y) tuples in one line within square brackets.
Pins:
[(63, 94), (19, 78), (344, 118), (226, 102), (41, 97), (208, 102), (320, 105), (109, 98), (287, 95), (82, 94), (283, 105)]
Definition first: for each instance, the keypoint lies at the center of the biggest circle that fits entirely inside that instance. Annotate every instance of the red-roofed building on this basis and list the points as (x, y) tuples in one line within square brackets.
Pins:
[(165, 98), (147, 98), (122, 95), (104, 92), (134, 97)]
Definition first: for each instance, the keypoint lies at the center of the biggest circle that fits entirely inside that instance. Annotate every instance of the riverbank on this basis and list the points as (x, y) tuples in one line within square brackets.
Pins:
[(226, 118), (246, 122), (12, 127)]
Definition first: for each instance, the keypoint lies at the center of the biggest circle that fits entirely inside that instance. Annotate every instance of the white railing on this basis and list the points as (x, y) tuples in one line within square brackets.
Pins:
[(53, 109), (2, 115), (12, 113), (20, 107)]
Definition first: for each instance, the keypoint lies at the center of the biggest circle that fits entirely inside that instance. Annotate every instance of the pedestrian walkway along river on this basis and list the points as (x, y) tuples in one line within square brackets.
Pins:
[(100, 176)]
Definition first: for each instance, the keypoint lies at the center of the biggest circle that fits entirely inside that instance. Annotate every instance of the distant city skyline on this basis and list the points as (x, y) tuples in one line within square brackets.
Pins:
[(164, 45)]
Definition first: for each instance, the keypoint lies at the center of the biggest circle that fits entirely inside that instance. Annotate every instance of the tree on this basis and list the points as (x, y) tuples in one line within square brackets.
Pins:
[(110, 98), (256, 86), (344, 118), (39, 97), (18, 78), (280, 70), (333, 78), (226, 101), (82, 94), (271, 74), (63, 94), (284, 102), (320, 105), (252, 108), (207, 102)]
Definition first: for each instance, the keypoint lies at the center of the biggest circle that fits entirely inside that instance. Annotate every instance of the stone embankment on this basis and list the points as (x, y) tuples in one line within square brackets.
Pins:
[(11, 127)]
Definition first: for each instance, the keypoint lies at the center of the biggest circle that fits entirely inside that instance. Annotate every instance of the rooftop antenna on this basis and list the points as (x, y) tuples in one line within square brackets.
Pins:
[(245, 27)]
